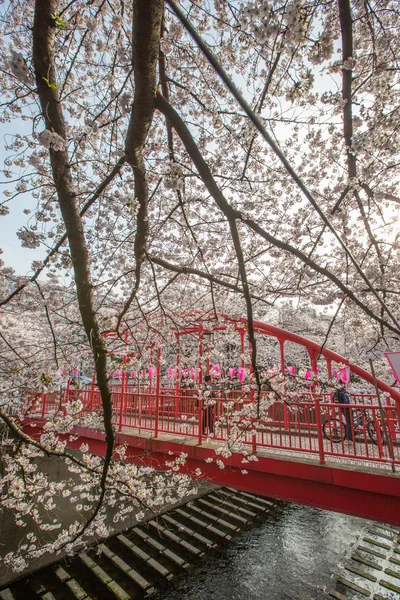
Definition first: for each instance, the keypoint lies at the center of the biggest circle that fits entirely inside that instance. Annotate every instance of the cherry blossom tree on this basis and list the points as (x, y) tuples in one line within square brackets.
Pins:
[(213, 155)]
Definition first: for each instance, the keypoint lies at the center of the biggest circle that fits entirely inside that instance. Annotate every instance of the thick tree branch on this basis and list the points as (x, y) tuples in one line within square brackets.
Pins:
[(44, 29), (146, 32), (346, 26)]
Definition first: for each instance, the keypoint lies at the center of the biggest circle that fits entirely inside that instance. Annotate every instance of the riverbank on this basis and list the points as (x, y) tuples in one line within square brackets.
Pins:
[(151, 556), (12, 535)]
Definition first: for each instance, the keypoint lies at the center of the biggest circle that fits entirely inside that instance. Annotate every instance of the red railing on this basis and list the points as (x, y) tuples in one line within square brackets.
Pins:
[(312, 424)]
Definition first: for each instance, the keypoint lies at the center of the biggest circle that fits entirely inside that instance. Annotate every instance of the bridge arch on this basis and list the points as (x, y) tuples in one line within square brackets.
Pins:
[(200, 324)]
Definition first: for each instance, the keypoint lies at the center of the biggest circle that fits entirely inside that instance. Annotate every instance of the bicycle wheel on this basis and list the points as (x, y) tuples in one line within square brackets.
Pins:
[(371, 428), (334, 430)]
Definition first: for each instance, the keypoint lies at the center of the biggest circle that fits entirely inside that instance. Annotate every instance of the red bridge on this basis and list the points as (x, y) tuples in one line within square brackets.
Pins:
[(294, 450)]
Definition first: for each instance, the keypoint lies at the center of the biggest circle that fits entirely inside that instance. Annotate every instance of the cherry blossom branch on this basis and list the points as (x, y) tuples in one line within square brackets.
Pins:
[(53, 335), (99, 190), (258, 124), (204, 275), (231, 213)]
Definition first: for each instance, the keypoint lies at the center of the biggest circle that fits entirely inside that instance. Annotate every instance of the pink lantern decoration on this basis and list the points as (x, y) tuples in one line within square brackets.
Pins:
[(342, 374), (170, 373), (216, 371), (192, 374), (393, 359), (150, 372), (291, 370), (241, 374), (311, 375), (133, 374), (233, 373)]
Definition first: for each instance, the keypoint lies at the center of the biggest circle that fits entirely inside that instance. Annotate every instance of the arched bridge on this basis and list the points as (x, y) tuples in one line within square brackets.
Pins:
[(291, 446)]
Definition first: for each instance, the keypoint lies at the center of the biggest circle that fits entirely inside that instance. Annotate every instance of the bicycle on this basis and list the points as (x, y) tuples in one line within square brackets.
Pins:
[(334, 429)]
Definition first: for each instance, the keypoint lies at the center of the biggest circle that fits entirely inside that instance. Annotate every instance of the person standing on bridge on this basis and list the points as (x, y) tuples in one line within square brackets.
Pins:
[(341, 397), (208, 396)]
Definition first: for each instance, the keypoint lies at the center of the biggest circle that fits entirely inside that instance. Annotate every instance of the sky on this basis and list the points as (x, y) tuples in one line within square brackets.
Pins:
[(14, 255)]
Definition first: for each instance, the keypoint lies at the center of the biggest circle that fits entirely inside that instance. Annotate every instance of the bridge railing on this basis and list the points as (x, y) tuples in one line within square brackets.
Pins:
[(310, 424)]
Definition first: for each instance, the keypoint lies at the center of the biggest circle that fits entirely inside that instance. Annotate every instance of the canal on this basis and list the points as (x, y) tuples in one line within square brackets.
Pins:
[(222, 545), (290, 556)]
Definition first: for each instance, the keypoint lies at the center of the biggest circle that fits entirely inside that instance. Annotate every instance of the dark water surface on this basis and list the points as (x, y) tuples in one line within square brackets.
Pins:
[(291, 556)]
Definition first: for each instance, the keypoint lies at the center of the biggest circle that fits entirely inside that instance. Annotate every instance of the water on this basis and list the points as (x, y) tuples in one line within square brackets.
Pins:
[(291, 556)]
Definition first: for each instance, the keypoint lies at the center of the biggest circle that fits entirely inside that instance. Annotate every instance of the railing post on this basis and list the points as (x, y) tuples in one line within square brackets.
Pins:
[(378, 434), (122, 405), (319, 430), (390, 419), (44, 404), (254, 440), (200, 418), (92, 393), (158, 392)]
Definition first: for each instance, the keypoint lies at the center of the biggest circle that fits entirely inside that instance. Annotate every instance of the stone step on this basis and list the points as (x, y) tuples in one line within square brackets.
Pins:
[(202, 523), (365, 561), (212, 517), (380, 534), (393, 573), (377, 544), (7, 595), (237, 500), (161, 548), (181, 527), (49, 596), (371, 551), (233, 506), (389, 586), (103, 577), (252, 501), (337, 595), (175, 538), (141, 554), (129, 571), (77, 592), (360, 572), (257, 499), (353, 586), (223, 511)]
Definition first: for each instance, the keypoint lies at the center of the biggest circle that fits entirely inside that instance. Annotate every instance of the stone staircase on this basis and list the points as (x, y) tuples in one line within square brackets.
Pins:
[(373, 567), (149, 557)]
